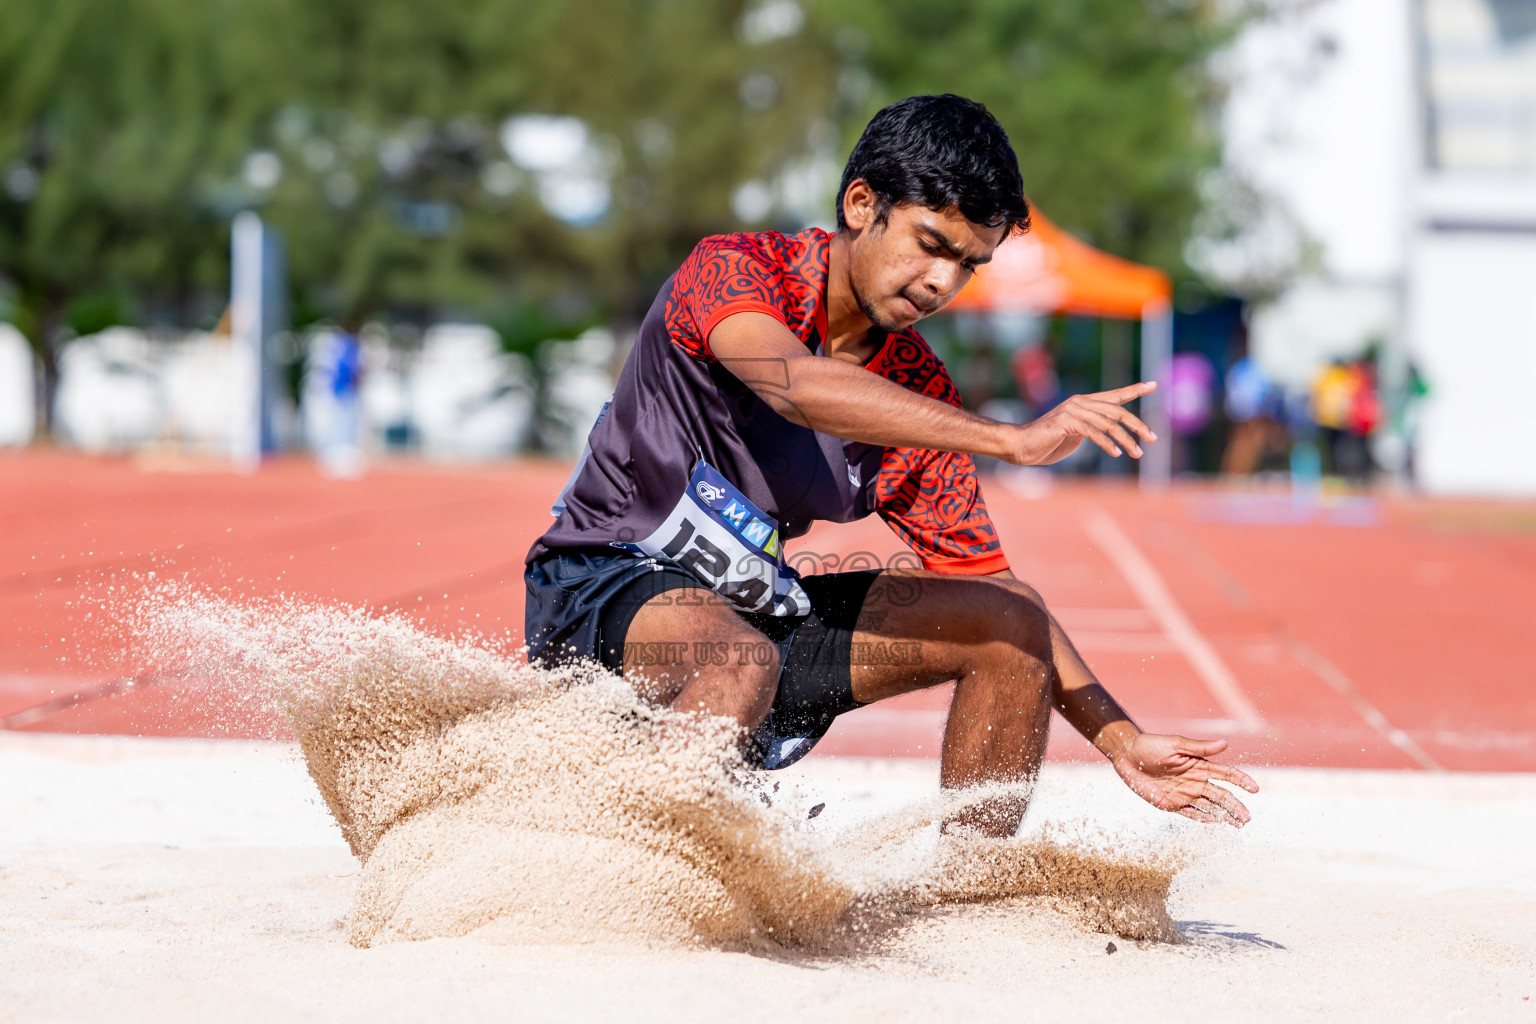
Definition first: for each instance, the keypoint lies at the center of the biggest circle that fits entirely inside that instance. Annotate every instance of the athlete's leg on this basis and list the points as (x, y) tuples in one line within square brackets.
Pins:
[(994, 637), (689, 649)]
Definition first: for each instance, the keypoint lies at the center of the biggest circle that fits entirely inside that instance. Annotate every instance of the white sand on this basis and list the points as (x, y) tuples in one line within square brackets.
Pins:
[(171, 880)]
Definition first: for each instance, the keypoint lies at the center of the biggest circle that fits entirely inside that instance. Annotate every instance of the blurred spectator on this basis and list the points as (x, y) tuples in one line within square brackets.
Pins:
[(1365, 409), (1393, 448), (1332, 399), (1034, 374), (1253, 408), (1346, 408), (978, 372), (1191, 391), (336, 363), (1352, 456), (1306, 461)]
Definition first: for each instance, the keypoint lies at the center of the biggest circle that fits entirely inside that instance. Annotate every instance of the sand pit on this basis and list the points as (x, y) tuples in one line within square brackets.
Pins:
[(476, 837), (175, 880)]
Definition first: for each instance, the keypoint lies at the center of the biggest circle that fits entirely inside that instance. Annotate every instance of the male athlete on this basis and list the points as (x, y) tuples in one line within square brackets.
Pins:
[(776, 381)]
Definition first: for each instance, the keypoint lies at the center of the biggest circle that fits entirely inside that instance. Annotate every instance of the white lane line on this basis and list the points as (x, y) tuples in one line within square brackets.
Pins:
[(1153, 594), (1341, 684)]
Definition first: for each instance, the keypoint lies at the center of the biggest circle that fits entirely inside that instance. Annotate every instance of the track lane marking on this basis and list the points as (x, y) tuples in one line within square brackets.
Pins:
[(1341, 684), (1175, 624), (37, 712)]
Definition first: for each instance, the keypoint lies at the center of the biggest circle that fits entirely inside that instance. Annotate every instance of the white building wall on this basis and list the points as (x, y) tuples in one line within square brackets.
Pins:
[(1316, 321), (17, 388), (1472, 249), (1474, 338), (1320, 123), (1397, 138)]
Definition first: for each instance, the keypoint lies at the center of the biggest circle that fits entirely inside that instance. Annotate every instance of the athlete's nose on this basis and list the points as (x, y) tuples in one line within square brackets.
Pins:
[(941, 279)]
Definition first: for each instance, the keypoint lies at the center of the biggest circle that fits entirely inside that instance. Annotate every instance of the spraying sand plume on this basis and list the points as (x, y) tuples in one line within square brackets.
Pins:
[(482, 794)]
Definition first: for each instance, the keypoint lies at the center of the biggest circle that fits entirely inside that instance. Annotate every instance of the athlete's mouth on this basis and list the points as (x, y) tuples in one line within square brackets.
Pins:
[(918, 310)]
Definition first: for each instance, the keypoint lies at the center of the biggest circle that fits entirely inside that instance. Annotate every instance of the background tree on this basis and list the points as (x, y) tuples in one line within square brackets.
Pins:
[(110, 116), (436, 213), (1107, 102), (374, 134)]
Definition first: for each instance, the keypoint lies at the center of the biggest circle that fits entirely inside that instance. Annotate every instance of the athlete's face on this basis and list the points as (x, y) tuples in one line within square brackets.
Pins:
[(913, 264)]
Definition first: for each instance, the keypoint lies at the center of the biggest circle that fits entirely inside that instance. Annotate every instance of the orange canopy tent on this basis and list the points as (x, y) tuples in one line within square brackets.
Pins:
[(1046, 270)]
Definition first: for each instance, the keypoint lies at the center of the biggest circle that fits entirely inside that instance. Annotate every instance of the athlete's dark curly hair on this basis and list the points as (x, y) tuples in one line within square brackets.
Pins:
[(939, 151)]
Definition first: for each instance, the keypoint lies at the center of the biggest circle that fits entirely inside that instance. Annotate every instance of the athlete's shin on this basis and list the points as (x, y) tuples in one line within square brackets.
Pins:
[(999, 718), (996, 734)]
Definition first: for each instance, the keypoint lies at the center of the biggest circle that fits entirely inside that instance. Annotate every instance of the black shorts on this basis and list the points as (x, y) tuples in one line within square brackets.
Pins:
[(580, 605)]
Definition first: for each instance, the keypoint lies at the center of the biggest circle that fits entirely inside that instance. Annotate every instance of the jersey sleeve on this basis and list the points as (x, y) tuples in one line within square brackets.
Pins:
[(932, 499), (724, 275)]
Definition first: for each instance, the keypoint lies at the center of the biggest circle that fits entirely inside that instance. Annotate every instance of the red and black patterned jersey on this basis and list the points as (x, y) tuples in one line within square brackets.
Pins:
[(676, 408), (931, 498), (784, 276)]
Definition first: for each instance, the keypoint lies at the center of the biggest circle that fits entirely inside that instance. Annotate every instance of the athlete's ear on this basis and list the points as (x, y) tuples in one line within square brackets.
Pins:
[(860, 205)]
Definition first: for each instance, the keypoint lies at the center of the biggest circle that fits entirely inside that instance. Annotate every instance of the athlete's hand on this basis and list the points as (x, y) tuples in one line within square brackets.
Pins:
[(1100, 418), (1175, 774)]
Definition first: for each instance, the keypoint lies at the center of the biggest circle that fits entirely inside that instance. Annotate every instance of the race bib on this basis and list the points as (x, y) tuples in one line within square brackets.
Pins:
[(728, 543)]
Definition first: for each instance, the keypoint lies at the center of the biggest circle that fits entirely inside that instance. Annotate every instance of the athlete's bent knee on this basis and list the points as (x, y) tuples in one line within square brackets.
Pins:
[(749, 683), (1025, 592)]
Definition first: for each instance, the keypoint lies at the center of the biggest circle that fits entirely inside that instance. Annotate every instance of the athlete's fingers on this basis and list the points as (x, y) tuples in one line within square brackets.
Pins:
[(1132, 421), (1191, 811), (1128, 394), (1124, 416), (1113, 429), (1206, 749), (1119, 415), (1233, 776), (1230, 805), (1198, 748), (1216, 806), (1122, 435), (1210, 807), (1220, 815), (1077, 420), (1100, 438)]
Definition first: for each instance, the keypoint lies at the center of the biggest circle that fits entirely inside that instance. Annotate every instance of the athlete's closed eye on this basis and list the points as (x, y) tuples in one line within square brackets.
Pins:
[(936, 247)]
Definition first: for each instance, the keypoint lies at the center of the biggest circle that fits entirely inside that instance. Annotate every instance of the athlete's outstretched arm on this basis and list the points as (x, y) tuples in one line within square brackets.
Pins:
[(1174, 773), (847, 401)]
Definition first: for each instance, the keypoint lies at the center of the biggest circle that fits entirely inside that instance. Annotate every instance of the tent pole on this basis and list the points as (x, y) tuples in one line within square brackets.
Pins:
[(1156, 356)]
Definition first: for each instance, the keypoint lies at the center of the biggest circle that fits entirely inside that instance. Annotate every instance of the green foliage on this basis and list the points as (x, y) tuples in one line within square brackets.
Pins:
[(1105, 101), (114, 111), (368, 133), (96, 311)]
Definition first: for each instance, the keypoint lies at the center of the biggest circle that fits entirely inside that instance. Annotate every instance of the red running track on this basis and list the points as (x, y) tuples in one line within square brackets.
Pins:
[(1383, 633)]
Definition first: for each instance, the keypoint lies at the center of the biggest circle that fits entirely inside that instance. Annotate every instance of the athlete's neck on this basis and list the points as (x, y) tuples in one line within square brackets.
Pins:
[(849, 332)]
